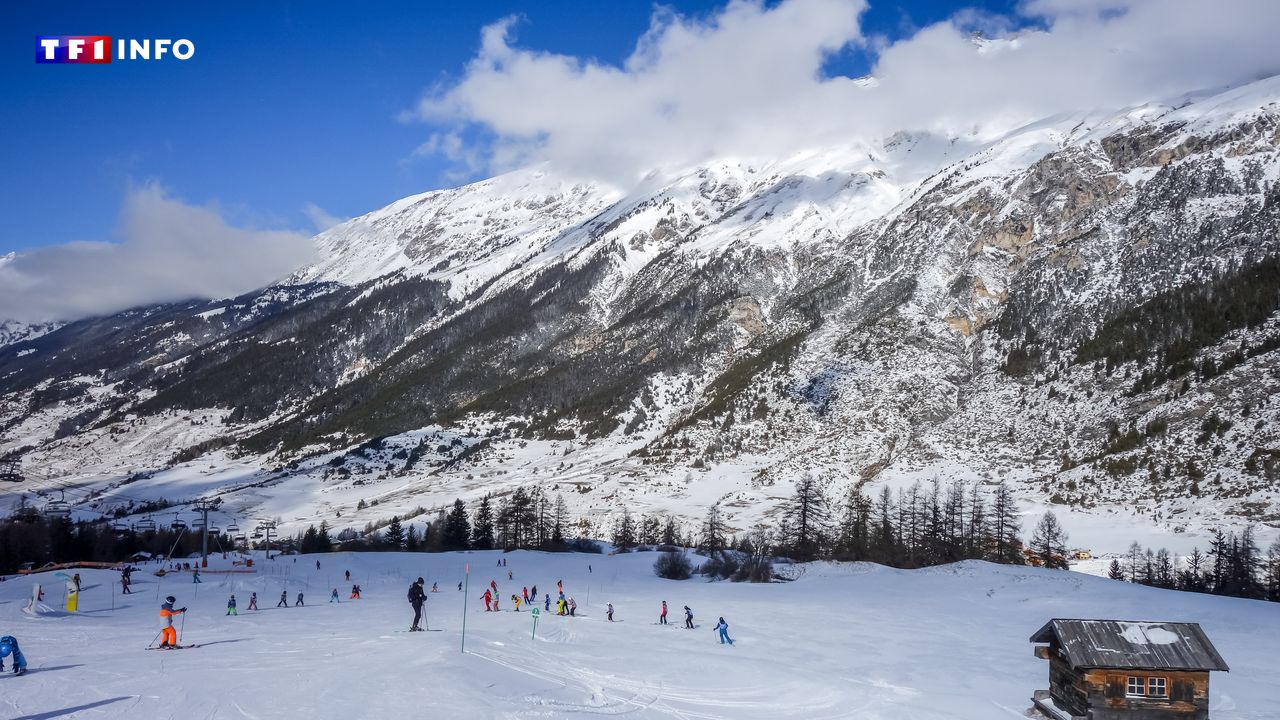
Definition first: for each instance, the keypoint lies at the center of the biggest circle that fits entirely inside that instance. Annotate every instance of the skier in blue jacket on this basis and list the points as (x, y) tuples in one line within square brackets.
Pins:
[(9, 646), (723, 627)]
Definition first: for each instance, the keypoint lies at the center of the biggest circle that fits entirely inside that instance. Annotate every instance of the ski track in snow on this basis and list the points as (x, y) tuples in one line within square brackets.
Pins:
[(841, 641)]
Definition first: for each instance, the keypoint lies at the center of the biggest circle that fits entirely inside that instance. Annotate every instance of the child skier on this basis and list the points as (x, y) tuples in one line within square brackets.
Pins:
[(488, 601), (253, 602), (231, 605), (573, 607), (662, 619), (169, 636), (688, 617), (9, 646), (723, 627), (355, 592), (610, 612), (515, 600), (299, 603), (195, 576), (284, 599), (546, 602), (333, 597)]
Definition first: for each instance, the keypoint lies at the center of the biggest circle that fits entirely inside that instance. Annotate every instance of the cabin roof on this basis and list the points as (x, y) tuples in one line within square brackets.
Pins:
[(1132, 644)]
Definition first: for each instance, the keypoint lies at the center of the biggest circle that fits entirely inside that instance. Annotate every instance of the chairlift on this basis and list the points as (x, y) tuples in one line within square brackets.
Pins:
[(257, 533), (145, 525), (121, 527), (177, 523), (233, 529), (197, 525), (58, 508), (11, 470), (215, 530)]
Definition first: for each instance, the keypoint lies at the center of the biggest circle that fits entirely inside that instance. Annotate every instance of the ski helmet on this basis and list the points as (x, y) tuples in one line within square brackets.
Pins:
[(6, 647), (171, 599)]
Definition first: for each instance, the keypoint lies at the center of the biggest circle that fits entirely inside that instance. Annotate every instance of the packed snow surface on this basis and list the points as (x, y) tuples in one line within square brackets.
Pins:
[(840, 641)]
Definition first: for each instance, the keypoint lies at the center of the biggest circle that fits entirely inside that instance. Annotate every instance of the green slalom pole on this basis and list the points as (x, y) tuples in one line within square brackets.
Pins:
[(536, 613)]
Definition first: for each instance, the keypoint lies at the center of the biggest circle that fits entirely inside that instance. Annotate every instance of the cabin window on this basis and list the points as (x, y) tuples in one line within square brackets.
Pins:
[(1156, 687)]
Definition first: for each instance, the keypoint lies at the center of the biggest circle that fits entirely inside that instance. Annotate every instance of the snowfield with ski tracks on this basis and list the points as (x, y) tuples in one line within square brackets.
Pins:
[(839, 641)]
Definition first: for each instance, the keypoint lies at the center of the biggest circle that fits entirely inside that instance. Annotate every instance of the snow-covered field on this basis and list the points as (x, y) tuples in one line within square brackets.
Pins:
[(841, 641)]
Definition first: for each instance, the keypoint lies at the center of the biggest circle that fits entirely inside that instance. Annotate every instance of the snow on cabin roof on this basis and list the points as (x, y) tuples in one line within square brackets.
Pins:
[(1131, 644)]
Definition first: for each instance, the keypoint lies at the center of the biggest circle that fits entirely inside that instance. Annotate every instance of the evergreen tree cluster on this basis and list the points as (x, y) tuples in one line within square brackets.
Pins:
[(1234, 566)]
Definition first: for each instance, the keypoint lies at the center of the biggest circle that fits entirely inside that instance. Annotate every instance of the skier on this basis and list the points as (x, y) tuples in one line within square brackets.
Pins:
[(589, 570), (355, 592), (610, 612), (546, 602), (573, 607), (9, 646), (510, 576), (333, 597), (561, 606), (459, 587), (299, 603), (253, 601), (435, 587), (525, 592), (488, 601), (688, 617), (284, 599), (231, 605), (348, 576), (195, 576), (496, 598), (723, 627), (534, 593), (515, 600), (76, 579), (560, 586), (416, 598), (169, 636), (662, 619), (317, 564)]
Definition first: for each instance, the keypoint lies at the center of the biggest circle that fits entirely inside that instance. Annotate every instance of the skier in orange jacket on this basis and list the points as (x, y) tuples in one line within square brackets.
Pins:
[(169, 636)]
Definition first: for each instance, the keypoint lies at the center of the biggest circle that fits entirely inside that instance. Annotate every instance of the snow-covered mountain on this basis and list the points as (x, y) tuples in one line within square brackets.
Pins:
[(1086, 308)]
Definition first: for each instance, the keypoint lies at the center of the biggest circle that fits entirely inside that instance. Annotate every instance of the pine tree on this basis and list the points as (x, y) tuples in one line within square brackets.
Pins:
[(482, 526), (411, 541), (1116, 571), (1006, 527), (1049, 542), (394, 535), (712, 531), (324, 541), (806, 516), (624, 534), (559, 520), (457, 528)]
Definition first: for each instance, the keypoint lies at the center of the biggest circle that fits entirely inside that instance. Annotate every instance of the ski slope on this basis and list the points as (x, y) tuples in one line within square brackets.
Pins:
[(841, 641)]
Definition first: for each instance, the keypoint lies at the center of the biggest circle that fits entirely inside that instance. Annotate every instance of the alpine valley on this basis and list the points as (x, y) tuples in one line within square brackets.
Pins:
[(1087, 308)]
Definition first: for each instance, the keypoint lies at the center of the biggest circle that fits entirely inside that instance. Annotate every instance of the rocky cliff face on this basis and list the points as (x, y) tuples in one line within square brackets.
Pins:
[(1086, 308)]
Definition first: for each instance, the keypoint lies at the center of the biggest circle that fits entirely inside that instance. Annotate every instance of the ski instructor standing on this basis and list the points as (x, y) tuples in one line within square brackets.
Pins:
[(416, 598)]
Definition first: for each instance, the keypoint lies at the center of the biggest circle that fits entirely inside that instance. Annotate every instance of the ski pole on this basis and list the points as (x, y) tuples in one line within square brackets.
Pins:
[(153, 640), (182, 626)]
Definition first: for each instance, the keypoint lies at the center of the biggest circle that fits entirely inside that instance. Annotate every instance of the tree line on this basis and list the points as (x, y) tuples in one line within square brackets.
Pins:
[(1233, 566)]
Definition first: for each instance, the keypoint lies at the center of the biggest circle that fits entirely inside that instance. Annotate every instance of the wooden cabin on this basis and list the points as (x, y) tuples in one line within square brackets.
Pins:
[(1125, 670)]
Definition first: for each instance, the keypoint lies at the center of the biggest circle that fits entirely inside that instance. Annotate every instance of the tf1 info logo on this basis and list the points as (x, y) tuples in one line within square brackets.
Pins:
[(97, 49)]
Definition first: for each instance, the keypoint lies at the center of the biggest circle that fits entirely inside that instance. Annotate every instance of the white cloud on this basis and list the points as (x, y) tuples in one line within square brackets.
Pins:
[(320, 218), (169, 251), (749, 81)]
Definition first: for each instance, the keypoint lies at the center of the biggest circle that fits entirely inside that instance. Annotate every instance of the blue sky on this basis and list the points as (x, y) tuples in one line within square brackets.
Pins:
[(283, 105)]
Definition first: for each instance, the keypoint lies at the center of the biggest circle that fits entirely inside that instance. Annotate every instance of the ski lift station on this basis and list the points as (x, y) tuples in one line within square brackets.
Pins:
[(1123, 670)]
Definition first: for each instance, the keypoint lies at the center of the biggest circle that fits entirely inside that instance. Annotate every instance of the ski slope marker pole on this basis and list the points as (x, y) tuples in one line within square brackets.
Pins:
[(466, 591)]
